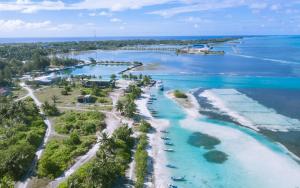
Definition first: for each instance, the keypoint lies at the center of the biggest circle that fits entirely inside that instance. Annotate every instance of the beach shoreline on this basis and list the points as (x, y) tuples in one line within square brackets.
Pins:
[(241, 148), (161, 175)]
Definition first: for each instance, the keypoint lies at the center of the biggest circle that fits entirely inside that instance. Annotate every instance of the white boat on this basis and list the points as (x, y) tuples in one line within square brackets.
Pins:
[(169, 143), (170, 166), (169, 150), (180, 178), (159, 85), (164, 131)]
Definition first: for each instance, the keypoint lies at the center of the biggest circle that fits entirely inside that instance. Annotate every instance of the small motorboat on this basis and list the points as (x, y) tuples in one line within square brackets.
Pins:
[(164, 131), (180, 178), (170, 166), (172, 186), (169, 150), (159, 85), (165, 138), (169, 143)]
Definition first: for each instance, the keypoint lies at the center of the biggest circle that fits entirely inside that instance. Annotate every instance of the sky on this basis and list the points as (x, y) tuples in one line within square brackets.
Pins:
[(87, 18)]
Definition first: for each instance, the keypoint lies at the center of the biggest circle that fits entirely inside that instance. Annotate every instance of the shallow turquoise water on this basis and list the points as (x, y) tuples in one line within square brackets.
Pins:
[(190, 162), (260, 62)]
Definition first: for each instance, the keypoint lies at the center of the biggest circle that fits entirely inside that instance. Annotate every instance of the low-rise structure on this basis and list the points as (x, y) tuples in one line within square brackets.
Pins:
[(98, 83)]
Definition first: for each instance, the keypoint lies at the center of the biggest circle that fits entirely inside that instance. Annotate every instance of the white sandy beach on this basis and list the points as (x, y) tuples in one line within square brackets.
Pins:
[(264, 166), (156, 151)]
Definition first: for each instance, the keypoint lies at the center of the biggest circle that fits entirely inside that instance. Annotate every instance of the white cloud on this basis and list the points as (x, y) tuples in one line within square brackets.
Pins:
[(193, 19), (14, 25), (29, 6), (105, 13), (275, 7), (260, 5), (20, 24), (115, 20), (201, 6), (92, 14)]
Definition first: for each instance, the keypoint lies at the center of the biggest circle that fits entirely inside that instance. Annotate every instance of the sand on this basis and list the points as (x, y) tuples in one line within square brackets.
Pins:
[(264, 166), (161, 177)]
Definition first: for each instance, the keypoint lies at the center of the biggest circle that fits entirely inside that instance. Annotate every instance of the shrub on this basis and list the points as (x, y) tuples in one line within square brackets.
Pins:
[(144, 126), (179, 94)]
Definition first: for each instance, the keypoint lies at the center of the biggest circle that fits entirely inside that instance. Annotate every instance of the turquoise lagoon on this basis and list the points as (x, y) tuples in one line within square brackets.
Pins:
[(254, 160)]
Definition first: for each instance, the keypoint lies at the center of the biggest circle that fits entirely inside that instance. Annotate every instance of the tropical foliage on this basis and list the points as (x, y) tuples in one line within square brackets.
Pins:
[(21, 130), (85, 123), (111, 161)]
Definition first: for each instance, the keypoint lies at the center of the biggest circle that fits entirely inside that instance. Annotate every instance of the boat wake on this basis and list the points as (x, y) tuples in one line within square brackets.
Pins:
[(265, 59)]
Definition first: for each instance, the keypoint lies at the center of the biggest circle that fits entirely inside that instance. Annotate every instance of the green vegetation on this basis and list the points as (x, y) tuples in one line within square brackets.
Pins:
[(50, 109), (126, 104), (60, 154), (98, 94), (179, 94), (16, 59), (23, 51), (144, 126), (21, 131), (141, 157), (85, 123), (111, 161)]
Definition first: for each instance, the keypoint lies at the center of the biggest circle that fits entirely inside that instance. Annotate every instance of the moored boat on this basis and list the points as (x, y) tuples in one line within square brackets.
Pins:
[(170, 166), (159, 85), (179, 178), (169, 150), (169, 143)]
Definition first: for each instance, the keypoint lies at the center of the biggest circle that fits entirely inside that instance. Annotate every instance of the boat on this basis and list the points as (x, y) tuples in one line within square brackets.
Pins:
[(165, 138), (169, 150), (164, 131), (179, 178), (170, 166), (159, 85), (169, 143), (172, 186)]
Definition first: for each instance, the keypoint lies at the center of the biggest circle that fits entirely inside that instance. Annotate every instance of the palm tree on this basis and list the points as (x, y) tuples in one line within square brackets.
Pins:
[(119, 106), (54, 99)]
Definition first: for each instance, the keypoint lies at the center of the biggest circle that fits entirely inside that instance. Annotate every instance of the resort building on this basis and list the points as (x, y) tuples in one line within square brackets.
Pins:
[(196, 49), (84, 99), (98, 83)]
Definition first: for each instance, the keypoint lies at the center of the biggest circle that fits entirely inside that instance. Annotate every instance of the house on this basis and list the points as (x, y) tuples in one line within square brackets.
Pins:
[(85, 99), (45, 80), (98, 83), (196, 49)]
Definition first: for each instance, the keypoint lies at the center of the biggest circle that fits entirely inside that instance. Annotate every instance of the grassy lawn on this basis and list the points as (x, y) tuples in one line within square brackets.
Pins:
[(18, 92), (46, 94), (70, 100)]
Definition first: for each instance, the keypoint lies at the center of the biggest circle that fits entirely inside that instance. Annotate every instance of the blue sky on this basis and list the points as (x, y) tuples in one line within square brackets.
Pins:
[(61, 18)]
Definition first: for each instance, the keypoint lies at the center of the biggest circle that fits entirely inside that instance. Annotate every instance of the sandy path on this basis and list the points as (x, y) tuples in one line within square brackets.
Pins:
[(160, 177), (24, 184), (113, 120)]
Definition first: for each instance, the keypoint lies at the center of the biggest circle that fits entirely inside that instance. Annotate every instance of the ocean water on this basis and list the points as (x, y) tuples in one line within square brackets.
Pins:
[(269, 63)]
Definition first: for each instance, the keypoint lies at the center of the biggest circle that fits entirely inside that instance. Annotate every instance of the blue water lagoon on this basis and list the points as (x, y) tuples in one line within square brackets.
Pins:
[(217, 149)]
